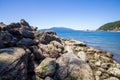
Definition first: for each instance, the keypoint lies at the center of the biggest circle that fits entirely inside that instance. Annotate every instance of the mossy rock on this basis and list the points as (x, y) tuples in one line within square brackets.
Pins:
[(46, 68)]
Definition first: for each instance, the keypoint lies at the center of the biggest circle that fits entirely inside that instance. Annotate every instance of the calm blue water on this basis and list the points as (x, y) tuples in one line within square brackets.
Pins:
[(107, 41)]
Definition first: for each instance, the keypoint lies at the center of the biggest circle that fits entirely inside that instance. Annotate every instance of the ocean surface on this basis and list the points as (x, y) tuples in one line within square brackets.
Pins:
[(107, 41)]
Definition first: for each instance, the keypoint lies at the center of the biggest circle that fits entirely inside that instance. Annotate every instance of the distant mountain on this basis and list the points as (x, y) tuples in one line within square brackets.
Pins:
[(112, 26), (60, 29)]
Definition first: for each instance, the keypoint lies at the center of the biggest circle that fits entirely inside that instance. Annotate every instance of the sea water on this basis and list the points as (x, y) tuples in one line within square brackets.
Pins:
[(107, 41)]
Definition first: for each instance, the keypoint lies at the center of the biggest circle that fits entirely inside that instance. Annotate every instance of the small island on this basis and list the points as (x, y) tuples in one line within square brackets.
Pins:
[(29, 54)]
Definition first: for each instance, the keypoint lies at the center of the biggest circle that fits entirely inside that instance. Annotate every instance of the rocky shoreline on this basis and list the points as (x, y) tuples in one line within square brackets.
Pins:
[(26, 54)]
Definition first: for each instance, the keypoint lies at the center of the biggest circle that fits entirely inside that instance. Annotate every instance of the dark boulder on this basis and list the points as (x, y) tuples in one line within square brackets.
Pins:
[(16, 32), (13, 28), (28, 34), (25, 42), (50, 32), (6, 37), (37, 53), (1, 44), (2, 25), (14, 25), (24, 23), (47, 38)]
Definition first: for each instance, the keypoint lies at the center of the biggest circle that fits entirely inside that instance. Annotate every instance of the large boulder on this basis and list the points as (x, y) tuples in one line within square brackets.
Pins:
[(50, 32), (6, 37), (114, 71), (48, 78), (47, 37), (46, 68), (28, 34), (16, 32), (112, 78), (13, 28), (2, 25), (62, 72), (13, 64), (37, 52), (1, 43), (26, 42), (24, 23), (73, 67), (7, 40), (54, 49)]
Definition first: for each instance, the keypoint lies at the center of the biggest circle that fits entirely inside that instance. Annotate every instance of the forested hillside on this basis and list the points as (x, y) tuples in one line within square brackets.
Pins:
[(112, 26)]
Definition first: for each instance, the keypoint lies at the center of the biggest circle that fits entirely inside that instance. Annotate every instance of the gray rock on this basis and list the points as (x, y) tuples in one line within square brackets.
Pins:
[(80, 44), (46, 68), (16, 32), (47, 38), (23, 22), (114, 71), (104, 75), (109, 55), (50, 32), (7, 40), (63, 61), (13, 64), (98, 73), (98, 63), (105, 65), (112, 78), (37, 53), (2, 25), (97, 78), (12, 26), (50, 50), (77, 69), (57, 44), (82, 56), (6, 37), (28, 34), (48, 78), (62, 72), (25, 42), (35, 77), (1, 43)]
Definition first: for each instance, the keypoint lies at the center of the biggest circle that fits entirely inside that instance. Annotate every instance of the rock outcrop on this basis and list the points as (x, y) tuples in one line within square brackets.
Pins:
[(27, 54), (13, 64)]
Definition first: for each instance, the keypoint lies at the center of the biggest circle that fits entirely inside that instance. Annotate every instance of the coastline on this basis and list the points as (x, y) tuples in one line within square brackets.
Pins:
[(100, 61), (99, 31), (98, 48), (27, 54), (107, 41), (105, 31)]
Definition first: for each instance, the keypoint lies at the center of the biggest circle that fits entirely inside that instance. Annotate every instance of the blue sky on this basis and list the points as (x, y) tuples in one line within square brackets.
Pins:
[(76, 14)]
